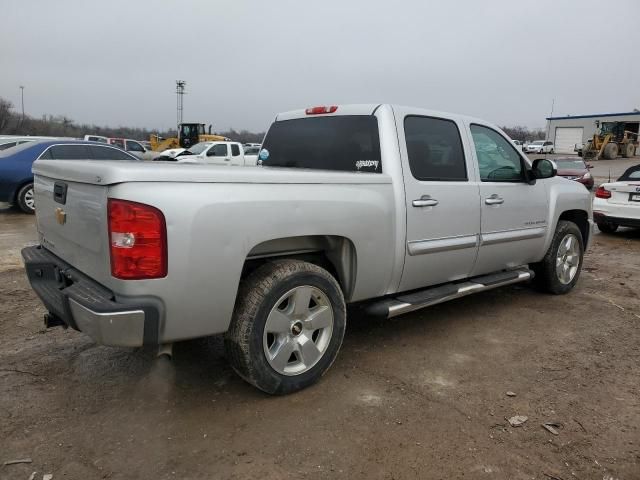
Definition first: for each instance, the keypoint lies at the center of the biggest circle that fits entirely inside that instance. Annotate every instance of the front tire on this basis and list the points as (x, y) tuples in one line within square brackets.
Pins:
[(26, 200), (610, 151), (559, 270), (287, 327)]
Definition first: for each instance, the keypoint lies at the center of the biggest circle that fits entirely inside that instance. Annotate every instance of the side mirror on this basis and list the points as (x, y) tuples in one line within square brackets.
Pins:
[(589, 166), (544, 168)]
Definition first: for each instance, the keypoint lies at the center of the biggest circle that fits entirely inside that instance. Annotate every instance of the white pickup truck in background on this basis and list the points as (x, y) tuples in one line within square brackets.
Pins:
[(217, 153)]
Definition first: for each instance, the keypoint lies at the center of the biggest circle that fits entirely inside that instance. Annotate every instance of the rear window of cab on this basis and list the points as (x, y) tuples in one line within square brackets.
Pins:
[(346, 143)]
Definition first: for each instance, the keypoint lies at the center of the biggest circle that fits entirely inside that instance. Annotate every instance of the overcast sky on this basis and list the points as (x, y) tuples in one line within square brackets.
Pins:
[(115, 63)]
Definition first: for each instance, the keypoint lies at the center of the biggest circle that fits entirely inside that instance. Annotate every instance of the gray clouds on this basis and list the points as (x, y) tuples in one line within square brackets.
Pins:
[(116, 62)]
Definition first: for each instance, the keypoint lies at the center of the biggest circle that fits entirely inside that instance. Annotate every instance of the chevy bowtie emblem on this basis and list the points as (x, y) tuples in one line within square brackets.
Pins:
[(61, 216)]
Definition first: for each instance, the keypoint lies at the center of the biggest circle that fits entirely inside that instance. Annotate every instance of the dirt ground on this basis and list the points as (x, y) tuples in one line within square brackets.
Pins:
[(419, 397)]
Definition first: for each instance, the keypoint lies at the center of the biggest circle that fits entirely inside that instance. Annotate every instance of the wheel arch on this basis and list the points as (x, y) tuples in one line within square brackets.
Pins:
[(581, 219), (336, 254)]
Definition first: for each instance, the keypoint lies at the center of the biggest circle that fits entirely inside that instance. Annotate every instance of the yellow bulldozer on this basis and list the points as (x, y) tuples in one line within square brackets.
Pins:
[(188, 134), (610, 140)]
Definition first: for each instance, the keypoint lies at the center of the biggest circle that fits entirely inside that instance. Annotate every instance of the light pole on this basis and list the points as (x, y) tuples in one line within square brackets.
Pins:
[(22, 100), (180, 91)]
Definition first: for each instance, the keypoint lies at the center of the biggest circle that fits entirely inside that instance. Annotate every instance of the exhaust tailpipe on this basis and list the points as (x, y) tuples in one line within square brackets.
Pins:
[(165, 349)]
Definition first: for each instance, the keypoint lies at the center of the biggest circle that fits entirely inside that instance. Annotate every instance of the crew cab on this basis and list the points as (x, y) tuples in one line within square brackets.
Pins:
[(217, 153), (387, 209)]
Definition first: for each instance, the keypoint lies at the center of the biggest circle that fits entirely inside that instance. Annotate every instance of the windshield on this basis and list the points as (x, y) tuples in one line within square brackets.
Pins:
[(197, 149), (570, 164), (345, 142), (538, 142), (191, 129)]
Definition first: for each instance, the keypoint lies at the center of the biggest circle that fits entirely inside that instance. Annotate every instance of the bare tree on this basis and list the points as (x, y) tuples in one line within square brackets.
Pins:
[(61, 125), (521, 133)]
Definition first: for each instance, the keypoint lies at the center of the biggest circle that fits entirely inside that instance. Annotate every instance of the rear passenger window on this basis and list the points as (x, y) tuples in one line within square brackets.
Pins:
[(434, 149), (107, 153), (235, 150), (69, 152)]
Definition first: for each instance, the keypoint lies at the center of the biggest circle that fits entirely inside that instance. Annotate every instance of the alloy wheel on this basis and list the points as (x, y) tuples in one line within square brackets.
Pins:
[(568, 259), (298, 330)]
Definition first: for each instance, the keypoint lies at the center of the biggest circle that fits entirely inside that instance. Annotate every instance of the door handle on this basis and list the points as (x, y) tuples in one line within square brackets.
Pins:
[(226, 159), (425, 201), (494, 199)]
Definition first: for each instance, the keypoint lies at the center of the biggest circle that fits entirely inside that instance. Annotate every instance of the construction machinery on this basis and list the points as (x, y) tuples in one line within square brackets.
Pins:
[(610, 140), (188, 134)]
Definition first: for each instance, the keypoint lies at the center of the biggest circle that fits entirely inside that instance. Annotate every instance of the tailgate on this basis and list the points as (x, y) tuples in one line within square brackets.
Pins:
[(72, 224)]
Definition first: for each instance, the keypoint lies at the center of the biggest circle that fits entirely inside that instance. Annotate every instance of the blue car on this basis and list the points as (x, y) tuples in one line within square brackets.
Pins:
[(16, 178)]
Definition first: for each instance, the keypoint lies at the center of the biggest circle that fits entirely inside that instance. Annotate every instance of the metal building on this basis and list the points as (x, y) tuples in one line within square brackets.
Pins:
[(565, 132)]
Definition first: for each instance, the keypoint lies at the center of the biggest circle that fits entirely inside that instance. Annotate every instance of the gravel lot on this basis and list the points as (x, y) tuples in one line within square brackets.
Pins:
[(418, 397)]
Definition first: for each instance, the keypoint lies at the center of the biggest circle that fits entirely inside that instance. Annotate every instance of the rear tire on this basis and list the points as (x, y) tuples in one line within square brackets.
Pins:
[(25, 199), (628, 149), (559, 270), (287, 327), (610, 151), (606, 227)]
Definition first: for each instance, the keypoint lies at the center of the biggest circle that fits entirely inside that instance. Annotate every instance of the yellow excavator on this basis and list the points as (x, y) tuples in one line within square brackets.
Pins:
[(609, 141), (188, 134)]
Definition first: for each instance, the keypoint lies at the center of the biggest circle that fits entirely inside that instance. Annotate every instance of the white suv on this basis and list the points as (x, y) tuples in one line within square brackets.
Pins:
[(539, 146)]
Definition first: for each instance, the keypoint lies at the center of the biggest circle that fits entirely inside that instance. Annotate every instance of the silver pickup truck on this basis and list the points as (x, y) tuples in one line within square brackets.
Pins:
[(387, 209)]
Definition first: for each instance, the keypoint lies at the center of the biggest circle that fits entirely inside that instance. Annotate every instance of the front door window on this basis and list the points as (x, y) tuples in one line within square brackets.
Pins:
[(497, 159)]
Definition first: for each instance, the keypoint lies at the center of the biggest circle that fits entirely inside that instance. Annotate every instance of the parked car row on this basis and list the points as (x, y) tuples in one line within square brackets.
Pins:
[(16, 179)]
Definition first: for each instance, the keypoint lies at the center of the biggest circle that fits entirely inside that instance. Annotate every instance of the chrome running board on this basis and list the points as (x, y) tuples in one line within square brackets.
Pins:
[(394, 306)]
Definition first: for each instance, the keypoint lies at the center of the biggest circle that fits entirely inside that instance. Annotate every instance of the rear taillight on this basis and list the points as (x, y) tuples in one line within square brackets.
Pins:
[(602, 192), (137, 240), (320, 110)]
